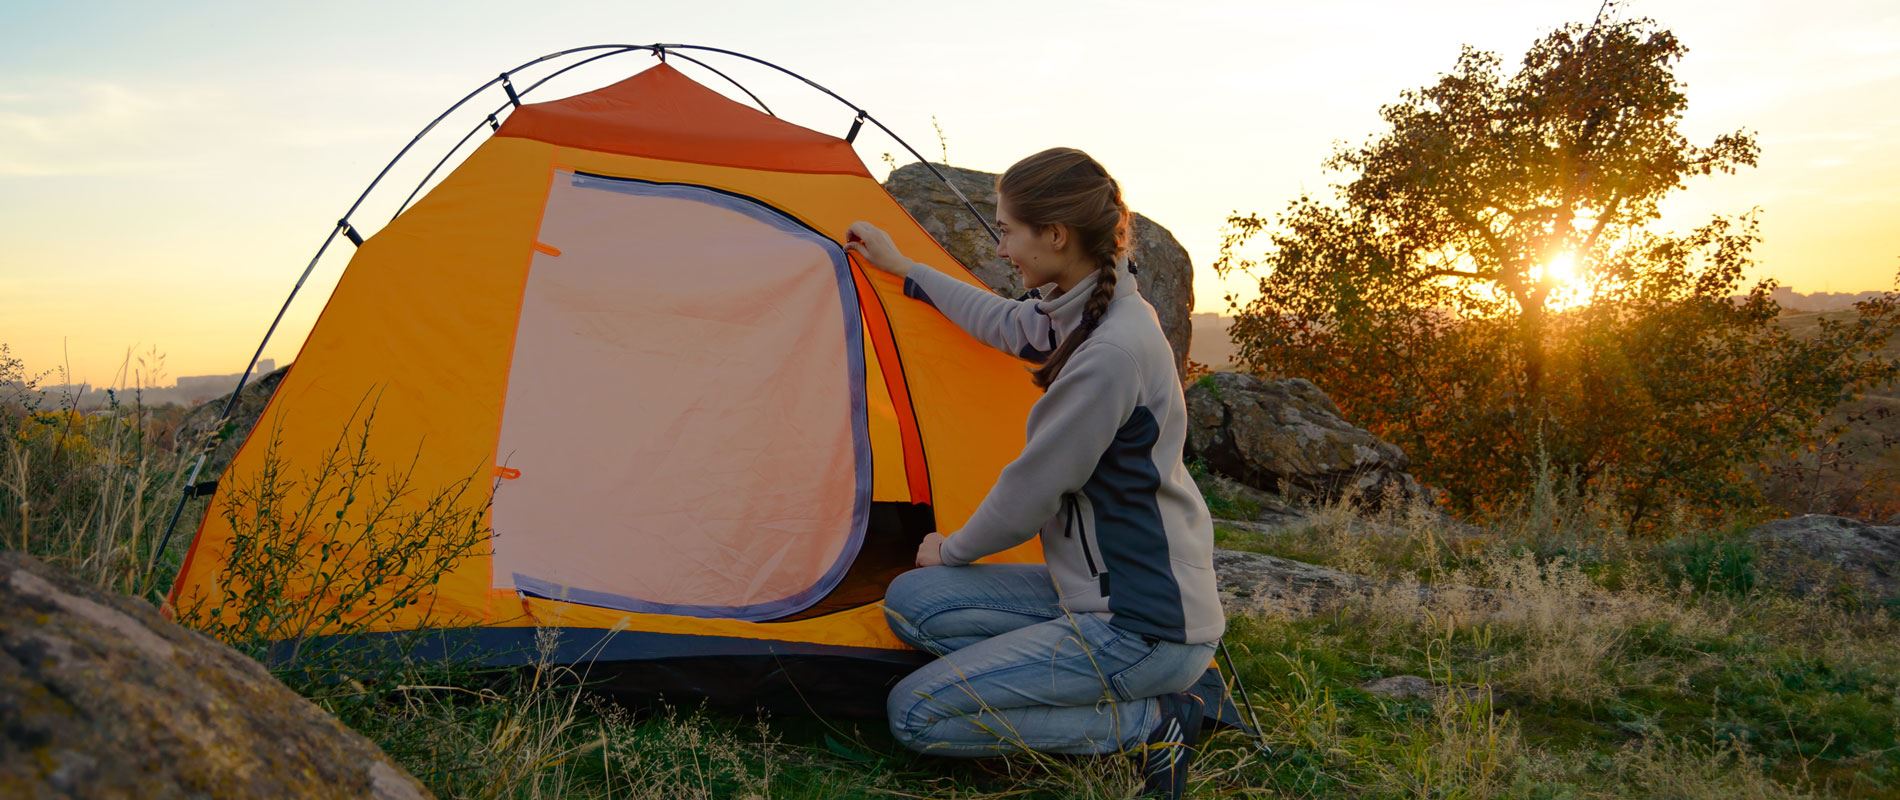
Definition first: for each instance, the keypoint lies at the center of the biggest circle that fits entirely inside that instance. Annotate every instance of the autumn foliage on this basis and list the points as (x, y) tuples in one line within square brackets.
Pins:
[(1487, 288)]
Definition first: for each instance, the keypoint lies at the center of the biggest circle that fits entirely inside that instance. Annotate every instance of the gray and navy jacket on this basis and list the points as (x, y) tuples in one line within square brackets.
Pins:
[(1124, 529)]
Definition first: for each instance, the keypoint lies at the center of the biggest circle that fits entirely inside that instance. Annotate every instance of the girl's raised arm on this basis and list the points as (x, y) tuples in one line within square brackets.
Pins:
[(1016, 327)]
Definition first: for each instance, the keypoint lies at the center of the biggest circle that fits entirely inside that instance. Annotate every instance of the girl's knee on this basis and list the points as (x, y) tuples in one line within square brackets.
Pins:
[(907, 592), (907, 726), (904, 604)]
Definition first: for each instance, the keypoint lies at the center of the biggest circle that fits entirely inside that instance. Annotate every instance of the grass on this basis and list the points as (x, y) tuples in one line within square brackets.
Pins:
[(1616, 663), (1570, 660), (90, 492)]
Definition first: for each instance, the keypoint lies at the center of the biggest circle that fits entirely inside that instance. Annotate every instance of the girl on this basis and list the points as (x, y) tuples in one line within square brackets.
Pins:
[(1091, 651)]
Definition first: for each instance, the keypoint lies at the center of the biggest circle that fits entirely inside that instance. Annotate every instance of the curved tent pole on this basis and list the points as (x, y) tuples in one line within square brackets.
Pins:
[(344, 227), (492, 116), (709, 68), (866, 115), (490, 120), (660, 49)]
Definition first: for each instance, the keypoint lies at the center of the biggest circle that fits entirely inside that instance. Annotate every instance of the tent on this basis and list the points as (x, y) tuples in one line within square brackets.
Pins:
[(712, 437)]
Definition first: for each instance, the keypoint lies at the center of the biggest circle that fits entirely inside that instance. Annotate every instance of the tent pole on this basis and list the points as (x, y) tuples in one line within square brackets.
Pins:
[(185, 494), (343, 226), (1259, 733), (494, 124), (861, 112)]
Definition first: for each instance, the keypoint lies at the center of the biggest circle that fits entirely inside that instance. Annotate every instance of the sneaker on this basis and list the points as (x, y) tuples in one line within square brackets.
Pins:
[(1170, 748)]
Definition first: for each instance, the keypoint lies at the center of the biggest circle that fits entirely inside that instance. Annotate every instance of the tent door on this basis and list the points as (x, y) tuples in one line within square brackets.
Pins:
[(686, 407)]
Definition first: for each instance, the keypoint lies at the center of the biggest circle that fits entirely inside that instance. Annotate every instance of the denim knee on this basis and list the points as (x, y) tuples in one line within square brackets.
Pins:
[(903, 604), (897, 711)]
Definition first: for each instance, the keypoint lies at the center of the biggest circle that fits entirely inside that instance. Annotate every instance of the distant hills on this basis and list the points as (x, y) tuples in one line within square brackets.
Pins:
[(187, 391), (1793, 301), (1210, 345)]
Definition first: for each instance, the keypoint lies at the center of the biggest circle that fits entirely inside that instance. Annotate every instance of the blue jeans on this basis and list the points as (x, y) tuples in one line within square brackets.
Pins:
[(1018, 671)]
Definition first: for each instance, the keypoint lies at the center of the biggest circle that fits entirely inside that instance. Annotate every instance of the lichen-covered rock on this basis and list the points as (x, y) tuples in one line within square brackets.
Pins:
[(1286, 437), (1818, 553), (1401, 687), (1261, 583), (101, 697), (1165, 277)]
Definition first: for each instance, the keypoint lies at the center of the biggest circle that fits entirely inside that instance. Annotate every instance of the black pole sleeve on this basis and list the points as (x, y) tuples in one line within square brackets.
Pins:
[(509, 87)]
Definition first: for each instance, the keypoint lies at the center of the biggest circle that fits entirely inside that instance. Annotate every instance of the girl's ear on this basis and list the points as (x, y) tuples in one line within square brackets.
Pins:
[(1058, 234)]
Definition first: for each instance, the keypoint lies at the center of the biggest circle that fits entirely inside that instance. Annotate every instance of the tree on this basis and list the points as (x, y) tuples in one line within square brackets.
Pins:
[(1486, 291)]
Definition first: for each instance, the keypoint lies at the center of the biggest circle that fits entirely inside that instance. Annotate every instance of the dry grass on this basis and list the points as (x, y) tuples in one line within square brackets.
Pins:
[(1571, 661), (90, 492)]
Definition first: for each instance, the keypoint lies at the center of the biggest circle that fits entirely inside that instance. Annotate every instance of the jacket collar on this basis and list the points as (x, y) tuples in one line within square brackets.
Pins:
[(1065, 310)]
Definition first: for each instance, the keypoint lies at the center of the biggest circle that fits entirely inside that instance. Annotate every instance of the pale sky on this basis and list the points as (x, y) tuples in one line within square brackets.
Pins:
[(166, 170)]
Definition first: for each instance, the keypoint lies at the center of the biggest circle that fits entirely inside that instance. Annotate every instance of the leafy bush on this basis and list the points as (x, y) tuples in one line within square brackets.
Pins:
[(341, 550), (1710, 564)]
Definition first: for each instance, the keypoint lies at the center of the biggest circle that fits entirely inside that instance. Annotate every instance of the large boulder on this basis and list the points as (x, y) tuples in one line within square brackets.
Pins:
[(1287, 437), (1818, 553), (1165, 275), (101, 697)]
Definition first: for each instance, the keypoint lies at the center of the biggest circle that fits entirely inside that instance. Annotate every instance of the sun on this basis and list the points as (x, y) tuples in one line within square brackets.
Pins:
[(1569, 287)]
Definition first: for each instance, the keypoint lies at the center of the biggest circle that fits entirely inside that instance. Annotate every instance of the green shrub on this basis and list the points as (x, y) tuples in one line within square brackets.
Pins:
[(346, 547), (1710, 564)]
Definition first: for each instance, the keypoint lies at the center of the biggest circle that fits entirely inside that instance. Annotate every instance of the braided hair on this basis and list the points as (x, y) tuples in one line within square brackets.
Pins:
[(1064, 186)]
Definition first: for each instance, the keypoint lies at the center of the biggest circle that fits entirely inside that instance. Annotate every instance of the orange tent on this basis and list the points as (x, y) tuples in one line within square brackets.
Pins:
[(712, 433)]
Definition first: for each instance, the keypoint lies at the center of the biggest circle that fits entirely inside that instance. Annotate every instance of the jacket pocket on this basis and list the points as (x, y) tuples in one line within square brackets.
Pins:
[(1073, 522)]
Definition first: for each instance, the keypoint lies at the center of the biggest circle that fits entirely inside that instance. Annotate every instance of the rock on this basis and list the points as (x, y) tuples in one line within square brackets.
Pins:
[(1166, 278), (1231, 500), (944, 217), (1286, 437), (101, 697), (1817, 553), (1402, 687), (1165, 275), (1280, 586), (202, 421)]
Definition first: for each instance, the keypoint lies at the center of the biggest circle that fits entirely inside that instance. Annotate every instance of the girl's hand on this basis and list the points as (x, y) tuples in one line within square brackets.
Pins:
[(873, 245), (930, 550)]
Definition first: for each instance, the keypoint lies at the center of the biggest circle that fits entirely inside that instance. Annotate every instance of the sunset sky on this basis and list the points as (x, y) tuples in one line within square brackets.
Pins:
[(166, 170)]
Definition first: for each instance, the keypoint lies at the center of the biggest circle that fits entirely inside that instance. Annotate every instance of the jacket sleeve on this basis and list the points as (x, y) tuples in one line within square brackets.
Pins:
[(1070, 428), (1016, 327)]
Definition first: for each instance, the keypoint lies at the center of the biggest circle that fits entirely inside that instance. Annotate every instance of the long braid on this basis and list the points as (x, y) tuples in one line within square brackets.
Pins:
[(1099, 298)]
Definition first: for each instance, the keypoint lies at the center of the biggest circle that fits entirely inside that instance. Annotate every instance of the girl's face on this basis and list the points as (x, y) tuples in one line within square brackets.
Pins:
[(1043, 257)]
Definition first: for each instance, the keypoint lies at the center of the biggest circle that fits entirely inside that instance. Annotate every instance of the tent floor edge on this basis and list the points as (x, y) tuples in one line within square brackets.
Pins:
[(639, 668)]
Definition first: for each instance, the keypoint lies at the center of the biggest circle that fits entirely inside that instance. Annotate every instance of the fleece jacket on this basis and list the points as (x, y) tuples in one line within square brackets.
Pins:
[(1124, 529)]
